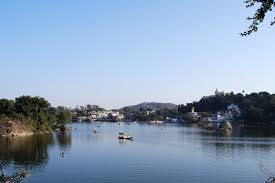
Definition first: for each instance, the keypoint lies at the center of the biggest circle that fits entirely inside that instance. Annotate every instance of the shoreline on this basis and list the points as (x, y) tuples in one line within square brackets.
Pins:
[(17, 128), (25, 134)]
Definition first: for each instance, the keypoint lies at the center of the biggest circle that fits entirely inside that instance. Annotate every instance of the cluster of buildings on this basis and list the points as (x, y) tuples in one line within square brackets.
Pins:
[(219, 121), (111, 116), (232, 113)]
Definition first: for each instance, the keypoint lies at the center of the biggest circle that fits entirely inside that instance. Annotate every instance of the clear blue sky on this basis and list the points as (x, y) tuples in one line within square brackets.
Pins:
[(120, 52)]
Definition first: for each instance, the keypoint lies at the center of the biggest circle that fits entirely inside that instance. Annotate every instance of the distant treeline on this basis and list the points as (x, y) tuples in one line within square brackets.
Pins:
[(255, 107), (149, 111), (87, 110), (151, 115), (34, 111)]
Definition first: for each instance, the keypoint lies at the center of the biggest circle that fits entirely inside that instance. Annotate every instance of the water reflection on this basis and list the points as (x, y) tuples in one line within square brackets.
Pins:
[(29, 150), (241, 143), (169, 152), (64, 140), (32, 150), (124, 141), (257, 132)]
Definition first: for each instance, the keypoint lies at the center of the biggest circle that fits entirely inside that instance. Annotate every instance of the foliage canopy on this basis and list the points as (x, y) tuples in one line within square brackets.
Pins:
[(264, 6), (35, 110)]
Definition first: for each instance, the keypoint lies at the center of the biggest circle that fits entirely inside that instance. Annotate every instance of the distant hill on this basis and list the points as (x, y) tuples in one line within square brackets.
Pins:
[(148, 105)]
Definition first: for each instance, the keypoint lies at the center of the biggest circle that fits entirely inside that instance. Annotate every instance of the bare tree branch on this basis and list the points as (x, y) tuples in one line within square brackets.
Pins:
[(264, 170), (16, 177)]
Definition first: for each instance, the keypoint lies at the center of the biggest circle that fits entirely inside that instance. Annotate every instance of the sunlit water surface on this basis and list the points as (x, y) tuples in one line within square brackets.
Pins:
[(158, 153)]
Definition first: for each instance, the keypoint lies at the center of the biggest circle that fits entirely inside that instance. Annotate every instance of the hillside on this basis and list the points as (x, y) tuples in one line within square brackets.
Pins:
[(148, 105)]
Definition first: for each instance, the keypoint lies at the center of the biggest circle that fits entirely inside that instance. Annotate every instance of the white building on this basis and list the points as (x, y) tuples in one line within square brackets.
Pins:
[(234, 110)]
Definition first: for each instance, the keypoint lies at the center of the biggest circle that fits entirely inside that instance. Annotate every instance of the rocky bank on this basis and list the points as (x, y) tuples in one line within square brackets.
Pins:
[(15, 128)]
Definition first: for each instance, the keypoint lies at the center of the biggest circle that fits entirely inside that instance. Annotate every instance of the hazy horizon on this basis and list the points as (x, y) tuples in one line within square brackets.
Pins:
[(120, 53)]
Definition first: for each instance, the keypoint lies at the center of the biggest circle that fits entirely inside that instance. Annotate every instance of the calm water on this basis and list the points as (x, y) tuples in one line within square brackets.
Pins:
[(167, 153)]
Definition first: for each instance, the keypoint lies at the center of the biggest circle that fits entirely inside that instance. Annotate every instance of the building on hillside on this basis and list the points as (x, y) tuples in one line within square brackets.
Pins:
[(234, 110), (192, 116), (222, 93), (117, 116), (217, 93), (232, 113)]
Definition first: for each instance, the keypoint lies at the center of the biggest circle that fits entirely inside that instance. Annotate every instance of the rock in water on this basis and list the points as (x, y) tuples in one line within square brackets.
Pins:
[(226, 127)]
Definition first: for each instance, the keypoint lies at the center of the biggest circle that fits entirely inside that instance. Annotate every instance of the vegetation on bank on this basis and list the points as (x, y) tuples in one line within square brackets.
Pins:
[(35, 112), (149, 105), (86, 110), (256, 108), (38, 114), (151, 115)]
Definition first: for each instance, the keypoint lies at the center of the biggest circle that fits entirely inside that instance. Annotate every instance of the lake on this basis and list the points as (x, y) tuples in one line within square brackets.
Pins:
[(158, 153)]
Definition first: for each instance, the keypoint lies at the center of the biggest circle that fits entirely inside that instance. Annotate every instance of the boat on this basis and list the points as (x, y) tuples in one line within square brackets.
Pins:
[(124, 136)]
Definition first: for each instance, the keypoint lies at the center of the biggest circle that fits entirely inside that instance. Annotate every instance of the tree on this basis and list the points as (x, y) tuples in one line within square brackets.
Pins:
[(6, 106), (89, 108), (63, 116), (35, 108), (36, 112), (264, 7)]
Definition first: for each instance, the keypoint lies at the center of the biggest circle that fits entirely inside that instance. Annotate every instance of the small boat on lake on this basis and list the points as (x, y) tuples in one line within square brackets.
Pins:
[(124, 136)]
